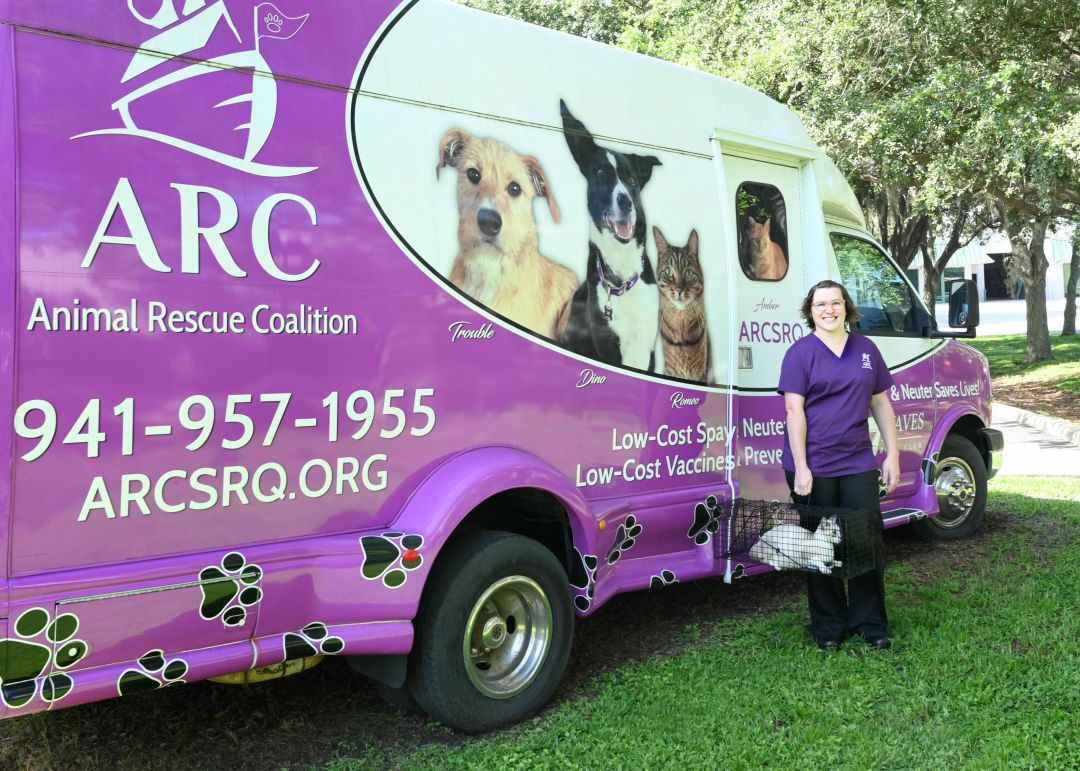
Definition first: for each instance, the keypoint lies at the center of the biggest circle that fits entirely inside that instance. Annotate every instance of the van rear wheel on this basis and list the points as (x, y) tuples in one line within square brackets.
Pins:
[(493, 633), (960, 484)]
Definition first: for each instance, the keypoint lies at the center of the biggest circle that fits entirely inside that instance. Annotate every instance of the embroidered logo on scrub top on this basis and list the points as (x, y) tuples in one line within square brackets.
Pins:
[(866, 361)]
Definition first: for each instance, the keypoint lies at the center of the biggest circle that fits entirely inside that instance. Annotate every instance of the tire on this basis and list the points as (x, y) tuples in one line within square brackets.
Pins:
[(493, 633), (961, 490)]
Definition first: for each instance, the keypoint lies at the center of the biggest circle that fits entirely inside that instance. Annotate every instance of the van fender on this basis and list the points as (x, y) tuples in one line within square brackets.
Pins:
[(453, 490), (944, 426)]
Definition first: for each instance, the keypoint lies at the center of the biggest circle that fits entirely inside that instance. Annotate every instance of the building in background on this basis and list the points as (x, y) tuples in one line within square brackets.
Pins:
[(986, 263)]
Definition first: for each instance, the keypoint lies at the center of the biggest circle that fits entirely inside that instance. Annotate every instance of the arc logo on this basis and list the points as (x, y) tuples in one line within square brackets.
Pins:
[(178, 35)]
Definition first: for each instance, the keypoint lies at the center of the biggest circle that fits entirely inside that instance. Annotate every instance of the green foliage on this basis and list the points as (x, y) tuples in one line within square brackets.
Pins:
[(748, 204)]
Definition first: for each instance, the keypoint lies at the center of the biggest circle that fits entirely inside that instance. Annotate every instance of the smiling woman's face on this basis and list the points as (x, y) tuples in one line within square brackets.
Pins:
[(827, 308)]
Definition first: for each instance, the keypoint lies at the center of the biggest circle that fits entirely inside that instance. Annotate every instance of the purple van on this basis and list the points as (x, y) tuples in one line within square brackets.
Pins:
[(405, 333)]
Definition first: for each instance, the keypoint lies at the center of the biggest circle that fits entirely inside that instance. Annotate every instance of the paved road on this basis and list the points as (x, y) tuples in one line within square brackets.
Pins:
[(1031, 452), (1006, 317)]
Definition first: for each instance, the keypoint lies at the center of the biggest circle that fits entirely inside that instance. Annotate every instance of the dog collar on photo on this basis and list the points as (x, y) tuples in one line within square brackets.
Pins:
[(611, 288)]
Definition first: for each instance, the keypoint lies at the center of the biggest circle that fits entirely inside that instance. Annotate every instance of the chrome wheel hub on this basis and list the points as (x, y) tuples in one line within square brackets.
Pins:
[(494, 633), (955, 486), (507, 637)]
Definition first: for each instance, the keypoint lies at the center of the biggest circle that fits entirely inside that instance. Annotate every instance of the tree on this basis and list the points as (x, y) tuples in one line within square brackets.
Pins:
[(934, 265), (969, 217), (987, 102), (1069, 326), (1028, 237)]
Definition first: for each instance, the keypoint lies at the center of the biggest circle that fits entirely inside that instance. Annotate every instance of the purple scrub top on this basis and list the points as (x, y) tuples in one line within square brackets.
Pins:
[(837, 392)]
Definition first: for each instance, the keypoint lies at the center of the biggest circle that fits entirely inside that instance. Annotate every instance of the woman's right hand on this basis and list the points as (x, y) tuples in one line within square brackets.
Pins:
[(804, 480)]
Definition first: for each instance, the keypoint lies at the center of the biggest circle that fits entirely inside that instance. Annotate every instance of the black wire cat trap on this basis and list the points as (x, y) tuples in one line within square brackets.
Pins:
[(817, 539)]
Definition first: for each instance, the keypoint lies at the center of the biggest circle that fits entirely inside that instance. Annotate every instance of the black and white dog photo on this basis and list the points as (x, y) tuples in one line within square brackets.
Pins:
[(613, 315)]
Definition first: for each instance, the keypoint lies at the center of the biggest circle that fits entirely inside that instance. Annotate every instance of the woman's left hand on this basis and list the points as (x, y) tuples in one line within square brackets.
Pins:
[(890, 472)]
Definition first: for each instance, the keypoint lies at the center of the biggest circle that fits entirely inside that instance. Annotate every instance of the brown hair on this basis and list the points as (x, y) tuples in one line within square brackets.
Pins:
[(851, 313)]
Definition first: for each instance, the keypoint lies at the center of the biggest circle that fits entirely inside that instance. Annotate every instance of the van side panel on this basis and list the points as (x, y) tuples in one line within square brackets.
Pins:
[(169, 295), (9, 250)]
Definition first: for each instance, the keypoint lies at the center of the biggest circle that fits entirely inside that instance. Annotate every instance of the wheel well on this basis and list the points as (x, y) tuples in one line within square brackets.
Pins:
[(527, 511), (970, 427)]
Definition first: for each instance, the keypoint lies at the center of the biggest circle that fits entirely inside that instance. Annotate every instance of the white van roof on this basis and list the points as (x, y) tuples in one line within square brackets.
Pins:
[(521, 71)]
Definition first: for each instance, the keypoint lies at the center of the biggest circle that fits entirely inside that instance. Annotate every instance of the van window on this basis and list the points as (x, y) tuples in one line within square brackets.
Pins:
[(762, 228), (877, 288)]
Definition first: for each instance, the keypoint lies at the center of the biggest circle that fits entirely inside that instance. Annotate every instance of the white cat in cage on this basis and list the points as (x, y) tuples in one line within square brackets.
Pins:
[(790, 547)]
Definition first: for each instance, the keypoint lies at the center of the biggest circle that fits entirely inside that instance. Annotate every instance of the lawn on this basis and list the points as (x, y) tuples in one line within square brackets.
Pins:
[(1049, 387), (984, 674)]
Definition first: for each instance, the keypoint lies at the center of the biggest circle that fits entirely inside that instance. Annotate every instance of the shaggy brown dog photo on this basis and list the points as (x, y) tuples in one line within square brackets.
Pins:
[(498, 262)]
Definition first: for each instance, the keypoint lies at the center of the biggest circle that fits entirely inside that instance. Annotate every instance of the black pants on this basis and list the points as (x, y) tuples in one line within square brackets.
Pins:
[(862, 610)]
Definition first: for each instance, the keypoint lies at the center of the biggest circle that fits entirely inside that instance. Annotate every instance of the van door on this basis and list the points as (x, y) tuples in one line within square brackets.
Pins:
[(892, 316), (764, 200)]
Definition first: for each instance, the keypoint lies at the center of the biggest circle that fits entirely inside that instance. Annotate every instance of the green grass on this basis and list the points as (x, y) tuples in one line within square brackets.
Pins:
[(1048, 387), (1006, 354), (984, 674)]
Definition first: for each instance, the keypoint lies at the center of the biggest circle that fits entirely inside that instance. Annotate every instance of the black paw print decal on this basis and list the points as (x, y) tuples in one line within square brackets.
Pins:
[(625, 538), (154, 672), (666, 578), (929, 468), (312, 640), (389, 556), (706, 521), (583, 579), (27, 656), (230, 589)]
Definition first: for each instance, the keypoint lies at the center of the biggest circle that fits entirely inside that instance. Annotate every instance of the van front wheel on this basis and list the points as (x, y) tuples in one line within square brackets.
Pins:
[(960, 484), (493, 633)]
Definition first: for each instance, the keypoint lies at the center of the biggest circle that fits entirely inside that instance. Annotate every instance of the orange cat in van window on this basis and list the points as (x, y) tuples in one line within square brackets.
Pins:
[(767, 258)]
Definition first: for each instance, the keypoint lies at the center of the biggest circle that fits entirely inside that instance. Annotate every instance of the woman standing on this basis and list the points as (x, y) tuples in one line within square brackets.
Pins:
[(832, 381)]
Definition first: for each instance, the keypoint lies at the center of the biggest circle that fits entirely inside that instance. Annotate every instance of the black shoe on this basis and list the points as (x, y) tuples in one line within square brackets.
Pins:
[(829, 645), (879, 641)]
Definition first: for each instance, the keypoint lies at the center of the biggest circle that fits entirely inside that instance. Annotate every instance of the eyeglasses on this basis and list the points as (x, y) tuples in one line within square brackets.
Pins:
[(836, 305)]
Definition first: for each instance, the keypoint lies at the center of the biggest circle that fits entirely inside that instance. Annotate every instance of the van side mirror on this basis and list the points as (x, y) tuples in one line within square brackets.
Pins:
[(963, 304)]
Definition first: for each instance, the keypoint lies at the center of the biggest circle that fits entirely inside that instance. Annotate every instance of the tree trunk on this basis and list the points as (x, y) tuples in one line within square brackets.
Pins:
[(933, 269), (1069, 327), (1038, 330), (930, 280), (1029, 262)]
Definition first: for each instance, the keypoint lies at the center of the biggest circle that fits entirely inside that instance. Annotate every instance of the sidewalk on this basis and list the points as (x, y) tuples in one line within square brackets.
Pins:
[(1036, 445)]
